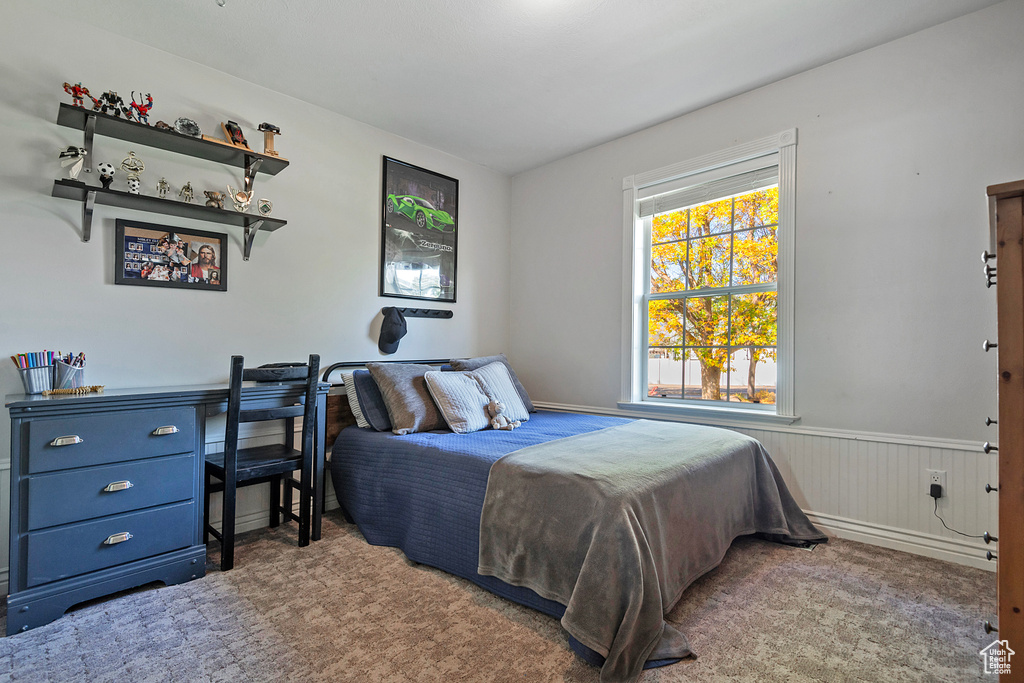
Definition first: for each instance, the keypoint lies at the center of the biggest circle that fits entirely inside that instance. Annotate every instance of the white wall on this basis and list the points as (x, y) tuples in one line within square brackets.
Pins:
[(896, 148), (309, 287)]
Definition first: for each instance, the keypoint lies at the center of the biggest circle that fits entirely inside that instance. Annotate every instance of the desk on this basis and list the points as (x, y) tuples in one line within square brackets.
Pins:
[(106, 490)]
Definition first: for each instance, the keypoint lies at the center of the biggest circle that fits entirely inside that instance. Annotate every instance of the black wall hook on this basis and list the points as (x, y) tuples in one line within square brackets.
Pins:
[(425, 313)]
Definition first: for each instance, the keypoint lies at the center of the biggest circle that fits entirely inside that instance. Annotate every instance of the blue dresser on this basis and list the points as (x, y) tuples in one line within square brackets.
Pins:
[(106, 491), (105, 495)]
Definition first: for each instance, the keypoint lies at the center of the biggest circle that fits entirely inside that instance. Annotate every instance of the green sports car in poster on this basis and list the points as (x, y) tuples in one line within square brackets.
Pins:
[(419, 210)]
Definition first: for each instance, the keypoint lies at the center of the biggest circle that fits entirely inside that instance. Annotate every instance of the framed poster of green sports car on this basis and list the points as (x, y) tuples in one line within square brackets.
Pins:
[(419, 233)]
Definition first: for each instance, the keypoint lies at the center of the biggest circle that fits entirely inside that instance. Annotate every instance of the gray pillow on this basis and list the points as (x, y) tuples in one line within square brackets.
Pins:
[(353, 400), (496, 383), (460, 399), (406, 397), (474, 363)]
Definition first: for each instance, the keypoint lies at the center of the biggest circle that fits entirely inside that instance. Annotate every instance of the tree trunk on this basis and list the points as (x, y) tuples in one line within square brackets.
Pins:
[(709, 378), (751, 389)]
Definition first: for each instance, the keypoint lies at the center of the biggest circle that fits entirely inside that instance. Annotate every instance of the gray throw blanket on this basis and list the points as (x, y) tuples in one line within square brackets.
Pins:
[(615, 524)]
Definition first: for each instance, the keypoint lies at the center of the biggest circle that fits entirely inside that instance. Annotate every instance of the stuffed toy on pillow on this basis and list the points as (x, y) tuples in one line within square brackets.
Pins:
[(495, 410)]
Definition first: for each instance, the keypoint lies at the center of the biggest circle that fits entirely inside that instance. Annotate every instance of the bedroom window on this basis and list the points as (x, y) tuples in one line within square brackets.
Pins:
[(710, 316)]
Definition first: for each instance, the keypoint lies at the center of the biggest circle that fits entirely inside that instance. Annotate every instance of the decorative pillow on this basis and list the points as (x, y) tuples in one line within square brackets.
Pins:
[(474, 363), (353, 400), (406, 396), (460, 399), (496, 382), (371, 403)]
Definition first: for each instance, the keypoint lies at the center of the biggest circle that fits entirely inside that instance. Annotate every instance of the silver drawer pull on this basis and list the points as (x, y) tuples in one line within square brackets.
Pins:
[(163, 431), (67, 440), (118, 486), (114, 539)]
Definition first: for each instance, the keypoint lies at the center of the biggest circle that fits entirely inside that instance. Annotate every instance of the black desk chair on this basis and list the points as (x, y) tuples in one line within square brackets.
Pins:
[(275, 463)]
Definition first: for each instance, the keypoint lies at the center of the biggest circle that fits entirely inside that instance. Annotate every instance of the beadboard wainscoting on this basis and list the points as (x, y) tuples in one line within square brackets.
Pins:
[(873, 488)]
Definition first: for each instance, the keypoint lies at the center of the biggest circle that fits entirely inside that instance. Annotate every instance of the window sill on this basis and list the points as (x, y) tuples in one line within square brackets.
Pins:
[(713, 415)]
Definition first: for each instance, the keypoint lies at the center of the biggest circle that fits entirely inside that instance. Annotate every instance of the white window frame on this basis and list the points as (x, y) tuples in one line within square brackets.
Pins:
[(636, 261)]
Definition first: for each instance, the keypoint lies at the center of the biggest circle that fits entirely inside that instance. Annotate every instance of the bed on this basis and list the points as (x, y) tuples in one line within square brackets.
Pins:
[(609, 573)]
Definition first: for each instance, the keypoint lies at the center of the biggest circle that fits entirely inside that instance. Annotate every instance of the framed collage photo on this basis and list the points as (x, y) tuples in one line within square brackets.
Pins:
[(419, 233), (153, 255)]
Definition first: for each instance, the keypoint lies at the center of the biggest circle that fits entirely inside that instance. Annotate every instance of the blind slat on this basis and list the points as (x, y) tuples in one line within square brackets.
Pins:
[(683, 192)]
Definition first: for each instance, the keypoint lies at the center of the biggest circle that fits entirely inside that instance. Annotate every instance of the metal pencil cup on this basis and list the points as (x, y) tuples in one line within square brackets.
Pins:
[(37, 380), (67, 376)]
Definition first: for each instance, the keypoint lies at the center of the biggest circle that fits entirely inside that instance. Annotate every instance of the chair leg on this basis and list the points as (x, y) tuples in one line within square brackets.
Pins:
[(275, 502), (306, 499), (227, 528), (206, 507)]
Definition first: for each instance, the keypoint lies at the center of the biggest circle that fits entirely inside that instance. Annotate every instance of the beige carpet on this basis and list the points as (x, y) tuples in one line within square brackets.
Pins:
[(341, 610)]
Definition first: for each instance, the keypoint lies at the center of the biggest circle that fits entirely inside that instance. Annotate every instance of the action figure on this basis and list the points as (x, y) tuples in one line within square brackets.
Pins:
[(142, 109), (73, 157), (186, 192), (78, 93), (106, 172), (214, 199), (111, 100), (162, 187)]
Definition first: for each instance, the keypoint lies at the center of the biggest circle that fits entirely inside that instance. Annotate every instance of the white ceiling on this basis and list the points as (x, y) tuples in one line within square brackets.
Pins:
[(514, 84)]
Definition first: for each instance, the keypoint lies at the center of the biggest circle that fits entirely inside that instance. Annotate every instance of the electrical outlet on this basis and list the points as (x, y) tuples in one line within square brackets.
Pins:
[(936, 477)]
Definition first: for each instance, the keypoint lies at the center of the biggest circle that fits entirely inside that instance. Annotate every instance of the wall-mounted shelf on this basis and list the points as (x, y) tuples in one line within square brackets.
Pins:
[(132, 131), (92, 122), (89, 195)]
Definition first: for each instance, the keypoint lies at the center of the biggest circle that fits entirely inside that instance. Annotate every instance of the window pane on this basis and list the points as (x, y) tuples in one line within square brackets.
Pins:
[(757, 208), (707, 374), (754, 318), (665, 373), (755, 256), (707, 321), (666, 227), (708, 219), (757, 386), (667, 266), (665, 322), (709, 262)]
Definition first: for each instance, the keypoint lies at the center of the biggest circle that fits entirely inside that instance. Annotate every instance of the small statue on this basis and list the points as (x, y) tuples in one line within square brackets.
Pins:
[(186, 192), (163, 125), (240, 199), (162, 188), (112, 101), (134, 184), (142, 108), (132, 165), (73, 158), (106, 172), (264, 206), (214, 199), (77, 92), (269, 131)]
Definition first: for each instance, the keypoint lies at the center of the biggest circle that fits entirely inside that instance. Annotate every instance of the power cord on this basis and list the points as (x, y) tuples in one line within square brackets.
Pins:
[(936, 512)]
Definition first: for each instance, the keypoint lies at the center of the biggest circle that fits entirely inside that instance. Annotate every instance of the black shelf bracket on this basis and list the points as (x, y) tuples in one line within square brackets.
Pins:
[(425, 313), (250, 236), (87, 207), (252, 166), (90, 131)]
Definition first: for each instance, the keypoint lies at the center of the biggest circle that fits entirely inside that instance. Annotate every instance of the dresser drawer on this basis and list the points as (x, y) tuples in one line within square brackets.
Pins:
[(77, 495), (108, 437), (71, 550)]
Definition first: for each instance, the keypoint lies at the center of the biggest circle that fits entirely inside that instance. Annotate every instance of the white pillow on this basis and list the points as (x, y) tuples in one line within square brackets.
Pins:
[(497, 385), (353, 400), (460, 399)]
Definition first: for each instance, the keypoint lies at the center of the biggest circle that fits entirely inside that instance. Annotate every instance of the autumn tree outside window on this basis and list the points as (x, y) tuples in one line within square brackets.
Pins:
[(711, 312)]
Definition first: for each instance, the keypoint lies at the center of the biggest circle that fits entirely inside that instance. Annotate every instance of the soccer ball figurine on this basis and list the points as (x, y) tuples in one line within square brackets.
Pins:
[(106, 172), (134, 184)]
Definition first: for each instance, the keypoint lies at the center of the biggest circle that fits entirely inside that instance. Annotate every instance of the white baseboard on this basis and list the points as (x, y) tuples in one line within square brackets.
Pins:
[(917, 543)]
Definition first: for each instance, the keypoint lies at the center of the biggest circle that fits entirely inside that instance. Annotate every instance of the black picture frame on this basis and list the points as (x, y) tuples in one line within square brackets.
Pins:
[(151, 255), (419, 233)]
